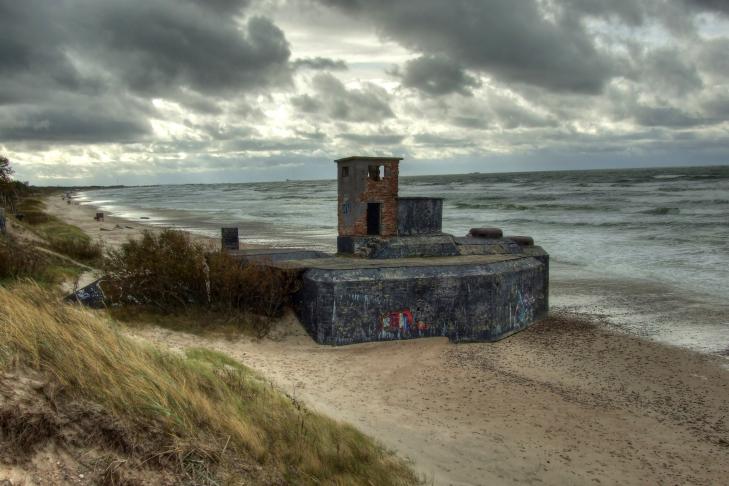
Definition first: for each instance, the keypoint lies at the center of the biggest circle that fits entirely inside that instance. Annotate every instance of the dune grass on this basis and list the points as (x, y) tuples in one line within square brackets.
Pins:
[(20, 259), (61, 237), (205, 411)]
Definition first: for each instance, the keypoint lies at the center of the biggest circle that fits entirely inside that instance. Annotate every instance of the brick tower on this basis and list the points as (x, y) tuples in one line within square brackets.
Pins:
[(367, 188)]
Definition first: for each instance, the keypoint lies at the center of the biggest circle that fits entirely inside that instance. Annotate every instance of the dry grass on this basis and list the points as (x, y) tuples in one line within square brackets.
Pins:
[(18, 260), (208, 415), (171, 273), (59, 236)]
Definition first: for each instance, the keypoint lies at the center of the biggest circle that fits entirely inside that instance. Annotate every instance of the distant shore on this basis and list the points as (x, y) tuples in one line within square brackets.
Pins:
[(564, 402)]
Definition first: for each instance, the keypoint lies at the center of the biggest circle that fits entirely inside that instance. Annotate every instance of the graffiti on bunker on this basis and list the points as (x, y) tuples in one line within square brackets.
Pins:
[(522, 310), (401, 323)]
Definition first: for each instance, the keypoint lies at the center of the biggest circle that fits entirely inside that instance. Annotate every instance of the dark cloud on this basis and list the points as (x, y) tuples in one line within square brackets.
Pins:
[(710, 5), (670, 71), (320, 64), (160, 45), (68, 124), (512, 40), (437, 75), (87, 70), (665, 116), (335, 102)]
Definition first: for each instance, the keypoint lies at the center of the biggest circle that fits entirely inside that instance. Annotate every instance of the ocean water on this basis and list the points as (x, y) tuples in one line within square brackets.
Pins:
[(647, 250)]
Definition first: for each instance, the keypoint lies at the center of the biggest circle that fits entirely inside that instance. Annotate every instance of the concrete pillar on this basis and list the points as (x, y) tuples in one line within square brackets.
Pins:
[(229, 239), (2, 220)]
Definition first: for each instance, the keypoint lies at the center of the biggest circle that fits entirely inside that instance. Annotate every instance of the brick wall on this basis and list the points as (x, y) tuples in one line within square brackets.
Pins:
[(383, 191)]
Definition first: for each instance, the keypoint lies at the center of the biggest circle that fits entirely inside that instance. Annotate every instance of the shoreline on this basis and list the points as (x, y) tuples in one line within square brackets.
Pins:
[(565, 401), (113, 231)]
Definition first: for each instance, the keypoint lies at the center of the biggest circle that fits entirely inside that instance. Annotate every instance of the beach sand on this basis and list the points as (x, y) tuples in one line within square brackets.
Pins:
[(564, 402), (113, 231)]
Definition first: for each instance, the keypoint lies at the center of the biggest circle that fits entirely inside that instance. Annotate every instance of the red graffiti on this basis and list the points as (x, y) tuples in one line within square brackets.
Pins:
[(402, 322)]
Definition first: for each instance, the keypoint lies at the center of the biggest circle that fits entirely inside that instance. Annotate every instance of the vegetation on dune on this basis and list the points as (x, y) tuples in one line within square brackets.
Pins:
[(202, 415), (10, 190), (18, 198), (169, 272), (58, 235), (22, 260)]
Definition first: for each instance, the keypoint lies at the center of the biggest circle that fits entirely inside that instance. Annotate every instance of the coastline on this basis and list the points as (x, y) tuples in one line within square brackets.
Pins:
[(565, 401), (113, 231)]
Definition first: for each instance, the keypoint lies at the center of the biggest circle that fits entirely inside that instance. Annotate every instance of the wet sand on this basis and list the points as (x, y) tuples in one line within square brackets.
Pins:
[(564, 402)]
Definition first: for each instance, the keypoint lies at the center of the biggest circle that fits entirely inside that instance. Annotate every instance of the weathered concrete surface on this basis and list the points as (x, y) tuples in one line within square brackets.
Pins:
[(353, 263), (419, 216), (435, 245), (465, 300), (275, 255)]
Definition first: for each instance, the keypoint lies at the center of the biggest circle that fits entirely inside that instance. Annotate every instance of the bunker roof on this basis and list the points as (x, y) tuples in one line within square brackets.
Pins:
[(359, 157)]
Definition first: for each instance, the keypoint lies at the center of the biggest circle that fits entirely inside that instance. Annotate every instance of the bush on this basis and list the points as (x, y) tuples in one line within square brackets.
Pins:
[(170, 271)]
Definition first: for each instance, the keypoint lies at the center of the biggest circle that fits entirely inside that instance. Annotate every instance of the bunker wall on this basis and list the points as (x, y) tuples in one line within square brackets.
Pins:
[(419, 216), (464, 303)]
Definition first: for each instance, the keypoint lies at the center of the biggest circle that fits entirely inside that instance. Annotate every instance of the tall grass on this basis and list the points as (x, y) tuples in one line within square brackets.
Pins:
[(203, 409), (18, 260), (170, 271)]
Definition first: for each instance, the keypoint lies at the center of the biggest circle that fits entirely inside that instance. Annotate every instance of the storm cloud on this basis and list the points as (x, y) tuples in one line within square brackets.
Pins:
[(153, 88), (335, 101)]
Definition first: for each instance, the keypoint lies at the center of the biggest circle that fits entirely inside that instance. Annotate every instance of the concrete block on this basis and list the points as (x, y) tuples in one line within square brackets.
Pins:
[(436, 245), (486, 233), (419, 216), (229, 239), (521, 240)]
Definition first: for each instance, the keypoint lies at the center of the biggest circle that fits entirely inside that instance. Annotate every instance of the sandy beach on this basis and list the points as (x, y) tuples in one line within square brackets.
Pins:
[(112, 231), (564, 402)]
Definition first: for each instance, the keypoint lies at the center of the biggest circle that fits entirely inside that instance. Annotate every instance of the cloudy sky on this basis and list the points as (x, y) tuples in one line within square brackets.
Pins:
[(176, 91)]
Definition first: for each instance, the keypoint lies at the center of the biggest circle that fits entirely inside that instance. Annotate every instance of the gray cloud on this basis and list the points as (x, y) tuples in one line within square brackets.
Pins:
[(86, 70), (334, 101), (511, 40), (711, 5), (373, 139), (320, 64), (160, 45), (85, 124), (437, 75), (668, 70)]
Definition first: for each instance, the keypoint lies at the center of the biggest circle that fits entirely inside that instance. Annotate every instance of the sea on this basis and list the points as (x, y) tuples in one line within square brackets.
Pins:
[(644, 251)]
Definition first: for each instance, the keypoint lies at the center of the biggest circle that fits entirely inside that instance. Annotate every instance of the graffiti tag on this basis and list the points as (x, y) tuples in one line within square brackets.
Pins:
[(401, 323)]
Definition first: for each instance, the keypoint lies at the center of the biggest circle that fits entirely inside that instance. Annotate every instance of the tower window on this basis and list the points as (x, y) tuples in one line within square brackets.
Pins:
[(375, 172), (345, 171)]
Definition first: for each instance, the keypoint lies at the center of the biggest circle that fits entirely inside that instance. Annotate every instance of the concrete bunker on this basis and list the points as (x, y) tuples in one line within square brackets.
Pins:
[(396, 275)]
